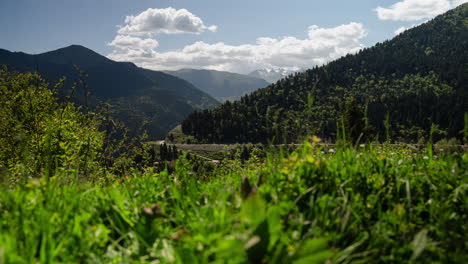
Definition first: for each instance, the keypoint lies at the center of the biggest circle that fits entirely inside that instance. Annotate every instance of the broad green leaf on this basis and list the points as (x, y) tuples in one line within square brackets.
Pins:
[(254, 209)]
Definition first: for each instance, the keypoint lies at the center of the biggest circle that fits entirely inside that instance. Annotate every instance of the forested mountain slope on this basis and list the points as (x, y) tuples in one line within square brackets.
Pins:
[(219, 84), (396, 89), (135, 94)]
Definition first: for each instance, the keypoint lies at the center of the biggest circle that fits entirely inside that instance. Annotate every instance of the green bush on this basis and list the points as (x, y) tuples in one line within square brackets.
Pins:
[(39, 134)]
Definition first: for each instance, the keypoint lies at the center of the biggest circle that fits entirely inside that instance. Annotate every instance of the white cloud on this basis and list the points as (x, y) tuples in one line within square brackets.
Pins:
[(128, 42), (134, 47), (321, 46), (352, 31), (411, 10), (456, 3), (166, 21)]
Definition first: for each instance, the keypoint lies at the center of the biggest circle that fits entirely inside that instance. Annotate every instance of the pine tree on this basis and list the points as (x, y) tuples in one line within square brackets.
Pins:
[(354, 120)]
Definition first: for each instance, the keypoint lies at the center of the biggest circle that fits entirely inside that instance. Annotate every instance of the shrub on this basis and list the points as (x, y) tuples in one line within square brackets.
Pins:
[(39, 134)]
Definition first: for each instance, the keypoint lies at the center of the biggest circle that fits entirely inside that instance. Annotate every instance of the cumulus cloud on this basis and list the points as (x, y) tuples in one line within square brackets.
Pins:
[(128, 42), (134, 47), (166, 20), (411, 10), (352, 31), (321, 45)]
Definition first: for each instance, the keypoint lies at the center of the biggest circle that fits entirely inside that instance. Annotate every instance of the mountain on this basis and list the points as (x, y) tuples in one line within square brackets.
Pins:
[(399, 89), (219, 84), (135, 94), (271, 75)]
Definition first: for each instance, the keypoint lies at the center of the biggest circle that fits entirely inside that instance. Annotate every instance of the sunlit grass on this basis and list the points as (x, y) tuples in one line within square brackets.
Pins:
[(373, 204)]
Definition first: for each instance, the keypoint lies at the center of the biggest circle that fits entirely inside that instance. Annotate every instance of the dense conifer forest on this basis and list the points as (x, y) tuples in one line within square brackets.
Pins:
[(401, 88)]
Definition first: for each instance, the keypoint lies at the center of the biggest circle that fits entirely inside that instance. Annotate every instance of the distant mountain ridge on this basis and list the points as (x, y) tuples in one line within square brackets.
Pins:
[(272, 75), (135, 94), (220, 84), (412, 88)]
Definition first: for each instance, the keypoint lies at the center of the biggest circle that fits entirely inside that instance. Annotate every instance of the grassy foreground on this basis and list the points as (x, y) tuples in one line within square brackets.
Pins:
[(315, 206)]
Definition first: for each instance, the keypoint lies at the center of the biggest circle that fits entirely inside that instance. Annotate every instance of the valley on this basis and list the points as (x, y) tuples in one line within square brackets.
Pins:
[(192, 142), (221, 85)]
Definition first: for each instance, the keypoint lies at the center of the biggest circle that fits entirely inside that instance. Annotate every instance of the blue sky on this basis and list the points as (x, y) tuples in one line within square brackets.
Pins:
[(295, 34)]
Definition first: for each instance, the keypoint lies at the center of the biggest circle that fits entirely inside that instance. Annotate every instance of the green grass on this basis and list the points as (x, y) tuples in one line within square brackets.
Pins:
[(371, 205), (177, 136)]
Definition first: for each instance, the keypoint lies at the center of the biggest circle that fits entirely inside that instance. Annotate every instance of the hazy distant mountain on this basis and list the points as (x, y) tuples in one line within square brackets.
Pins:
[(135, 94), (271, 75), (221, 85)]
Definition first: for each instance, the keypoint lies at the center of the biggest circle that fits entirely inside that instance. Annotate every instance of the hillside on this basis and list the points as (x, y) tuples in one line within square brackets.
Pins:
[(398, 89), (221, 85), (135, 94)]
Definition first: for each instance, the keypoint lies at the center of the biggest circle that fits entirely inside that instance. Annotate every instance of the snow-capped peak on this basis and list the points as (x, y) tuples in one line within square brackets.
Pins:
[(272, 75)]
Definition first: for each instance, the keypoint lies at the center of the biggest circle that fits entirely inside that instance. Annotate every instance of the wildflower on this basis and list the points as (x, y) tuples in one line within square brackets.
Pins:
[(315, 139), (426, 157), (291, 248), (310, 159), (331, 150), (362, 145)]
